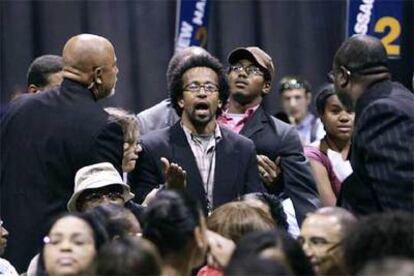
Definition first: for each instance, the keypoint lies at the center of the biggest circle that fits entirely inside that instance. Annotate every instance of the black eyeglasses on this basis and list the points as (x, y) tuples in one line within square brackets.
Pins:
[(98, 194), (195, 87), (250, 69)]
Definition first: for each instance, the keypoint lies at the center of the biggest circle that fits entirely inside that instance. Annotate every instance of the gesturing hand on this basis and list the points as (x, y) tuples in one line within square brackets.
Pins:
[(175, 176), (268, 170)]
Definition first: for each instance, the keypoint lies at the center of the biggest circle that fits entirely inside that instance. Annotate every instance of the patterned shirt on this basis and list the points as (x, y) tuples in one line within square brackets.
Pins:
[(236, 122), (204, 151)]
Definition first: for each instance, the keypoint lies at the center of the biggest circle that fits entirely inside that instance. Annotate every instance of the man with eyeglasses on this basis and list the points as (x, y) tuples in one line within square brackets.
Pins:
[(382, 154), (296, 97), (277, 143), (321, 236), (218, 165)]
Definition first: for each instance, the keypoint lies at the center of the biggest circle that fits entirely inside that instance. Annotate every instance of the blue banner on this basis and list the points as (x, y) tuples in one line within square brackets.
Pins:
[(192, 22), (380, 18)]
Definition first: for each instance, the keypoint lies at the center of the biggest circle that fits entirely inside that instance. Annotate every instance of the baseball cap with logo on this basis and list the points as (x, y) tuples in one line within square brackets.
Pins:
[(256, 55)]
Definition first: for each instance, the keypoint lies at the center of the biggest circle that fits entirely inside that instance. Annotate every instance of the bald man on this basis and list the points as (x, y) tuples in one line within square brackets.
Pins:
[(382, 155), (321, 236), (47, 137)]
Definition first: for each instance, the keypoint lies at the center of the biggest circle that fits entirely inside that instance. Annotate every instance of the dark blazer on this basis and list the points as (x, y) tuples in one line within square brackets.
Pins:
[(382, 155), (235, 173), (45, 139), (274, 138)]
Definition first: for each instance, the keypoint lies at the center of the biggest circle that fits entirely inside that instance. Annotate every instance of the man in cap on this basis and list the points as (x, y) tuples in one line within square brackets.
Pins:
[(250, 75), (47, 137), (98, 184), (382, 156)]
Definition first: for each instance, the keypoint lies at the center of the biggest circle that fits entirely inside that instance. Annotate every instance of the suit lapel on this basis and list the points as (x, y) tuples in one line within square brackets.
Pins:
[(254, 124)]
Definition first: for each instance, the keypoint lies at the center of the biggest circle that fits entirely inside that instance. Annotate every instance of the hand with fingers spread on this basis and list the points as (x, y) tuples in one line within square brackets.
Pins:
[(220, 250), (269, 170), (175, 176)]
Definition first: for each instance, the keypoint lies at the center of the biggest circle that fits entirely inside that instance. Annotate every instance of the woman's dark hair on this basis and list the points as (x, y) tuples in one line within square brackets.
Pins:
[(128, 256), (325, 92), (257, 266), (113, 217), (99, 233), (252, 245), (275, 206), (170, 220), (203, 60)]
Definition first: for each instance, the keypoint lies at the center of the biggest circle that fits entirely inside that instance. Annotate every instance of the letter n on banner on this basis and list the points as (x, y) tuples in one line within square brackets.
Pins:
[(191, 23), (380, 18)]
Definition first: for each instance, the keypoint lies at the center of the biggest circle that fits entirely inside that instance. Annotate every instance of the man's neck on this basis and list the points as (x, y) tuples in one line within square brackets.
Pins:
[(209, 128), (240, 108)]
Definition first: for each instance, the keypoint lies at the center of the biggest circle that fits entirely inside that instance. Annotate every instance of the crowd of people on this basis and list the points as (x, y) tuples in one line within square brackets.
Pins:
[(207, 182)]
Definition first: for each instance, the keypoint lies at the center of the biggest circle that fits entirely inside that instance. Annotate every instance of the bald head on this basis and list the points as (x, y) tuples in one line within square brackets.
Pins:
[(90, 60), (346, 219), (361, 52)]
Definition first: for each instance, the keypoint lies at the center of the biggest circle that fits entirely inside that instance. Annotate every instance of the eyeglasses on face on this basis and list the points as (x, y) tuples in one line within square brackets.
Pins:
[(250, 69), (195, 87), (97, 195)]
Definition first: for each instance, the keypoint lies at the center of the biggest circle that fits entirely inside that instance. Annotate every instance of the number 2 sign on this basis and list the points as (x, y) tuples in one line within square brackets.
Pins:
[(379, 18)]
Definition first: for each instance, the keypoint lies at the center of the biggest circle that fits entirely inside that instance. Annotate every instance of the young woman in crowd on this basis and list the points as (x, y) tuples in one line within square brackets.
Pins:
[(329, 156), (175, 224), (71, 245)]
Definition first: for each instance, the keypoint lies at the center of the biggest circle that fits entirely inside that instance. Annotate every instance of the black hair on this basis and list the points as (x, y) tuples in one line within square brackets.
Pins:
[(203, 60), (99, 234), (320, 101), (294, 82), (257, 266), (275, 207), (128, 256), (377, 237), (252, 245), (361, 52), (40, 69), (170, 220)]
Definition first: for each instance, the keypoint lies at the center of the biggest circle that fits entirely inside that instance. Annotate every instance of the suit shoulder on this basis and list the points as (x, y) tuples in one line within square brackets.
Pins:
[(235, 137), (156, 137)]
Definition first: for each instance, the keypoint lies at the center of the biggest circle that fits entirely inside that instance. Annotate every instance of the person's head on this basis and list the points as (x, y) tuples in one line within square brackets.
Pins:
[(91, 60), (98, 184), (117, 220), (388, 266), (233, 220), (337, 120), (276, 245), (44, 72), (70, 245), (180, 57), (198, 90), (129, 125), (296, 96), (4, 234), (377, 237), (322, 234), (360, 61), (258, 267), (271, 204), (128, 256), (174, 222), (250, 74)]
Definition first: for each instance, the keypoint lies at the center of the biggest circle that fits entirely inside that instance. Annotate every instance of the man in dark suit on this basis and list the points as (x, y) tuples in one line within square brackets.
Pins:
[(219, 165), (47, 137), (250, 76), (382, 155)]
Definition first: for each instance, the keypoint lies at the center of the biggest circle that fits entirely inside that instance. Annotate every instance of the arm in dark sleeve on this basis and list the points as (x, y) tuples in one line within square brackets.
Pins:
[(253, 183), (385, 138), (299, 184), (108, 146), (147, 174)]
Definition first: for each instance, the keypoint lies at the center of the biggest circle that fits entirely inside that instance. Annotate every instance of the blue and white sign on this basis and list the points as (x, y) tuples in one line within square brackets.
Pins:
[(380, 18)]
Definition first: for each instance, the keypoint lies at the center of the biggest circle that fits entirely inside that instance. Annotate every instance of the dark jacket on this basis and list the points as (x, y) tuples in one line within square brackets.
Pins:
[(235, 173), (274, 138), (45, 139), (382, 155)]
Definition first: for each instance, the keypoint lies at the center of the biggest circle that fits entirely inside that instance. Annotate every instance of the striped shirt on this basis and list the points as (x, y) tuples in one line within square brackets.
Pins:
[(204, 151)]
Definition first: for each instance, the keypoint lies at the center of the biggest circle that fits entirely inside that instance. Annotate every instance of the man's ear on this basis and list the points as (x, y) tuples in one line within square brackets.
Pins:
[(266, 87), (33, 88), (181, 103), (308, 96), (344, 76), (97, 74)]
